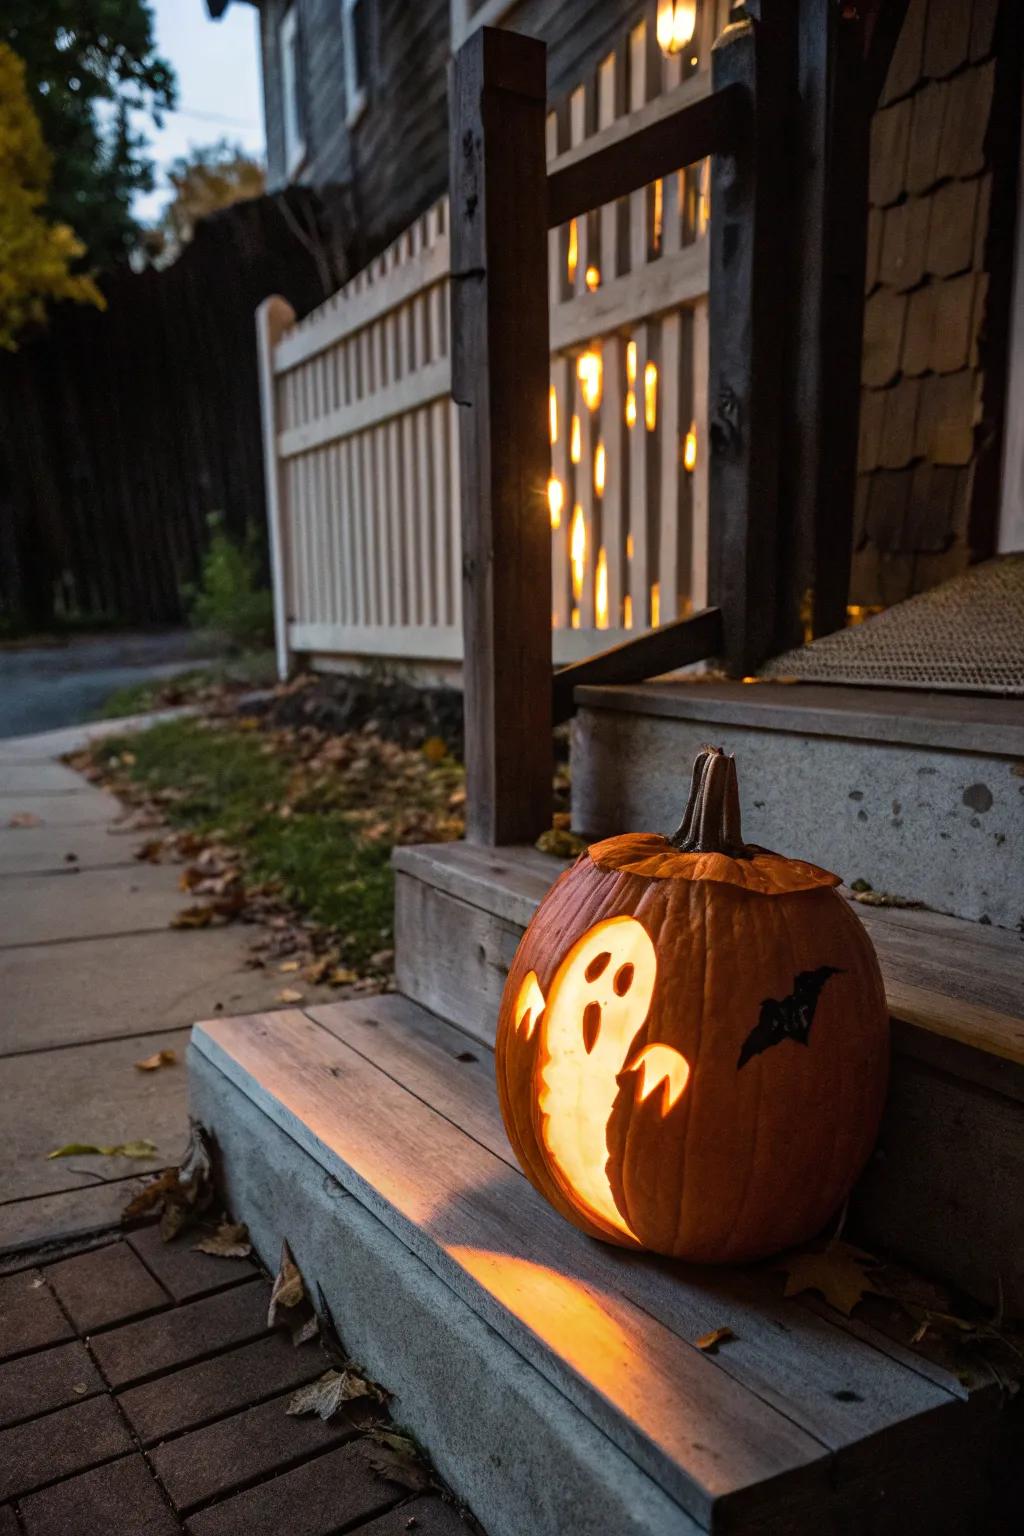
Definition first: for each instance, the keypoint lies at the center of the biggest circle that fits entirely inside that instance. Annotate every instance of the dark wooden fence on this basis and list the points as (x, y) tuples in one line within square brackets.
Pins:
[(120, 431)]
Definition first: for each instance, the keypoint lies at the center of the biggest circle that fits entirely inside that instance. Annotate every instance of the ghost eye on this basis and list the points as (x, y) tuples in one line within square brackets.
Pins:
[(623, 979), (598, 964)]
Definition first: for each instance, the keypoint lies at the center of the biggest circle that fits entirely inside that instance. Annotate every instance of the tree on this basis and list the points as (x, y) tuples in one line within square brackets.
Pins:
[(36, 255), (88, 65), (209, 177)]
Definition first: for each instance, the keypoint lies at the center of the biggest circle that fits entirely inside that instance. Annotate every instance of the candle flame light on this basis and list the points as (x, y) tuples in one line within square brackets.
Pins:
[(677, 20), (556, 501), (574, 440), (577, 550), (651, 396), (589, 371), (601, 590), (690, 449)]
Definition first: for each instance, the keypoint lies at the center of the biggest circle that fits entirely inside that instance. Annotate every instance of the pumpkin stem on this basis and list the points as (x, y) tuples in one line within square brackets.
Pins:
[(711, 821)]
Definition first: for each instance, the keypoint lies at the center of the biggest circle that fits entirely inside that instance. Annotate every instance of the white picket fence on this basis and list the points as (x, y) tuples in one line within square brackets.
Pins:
[(360, 437)]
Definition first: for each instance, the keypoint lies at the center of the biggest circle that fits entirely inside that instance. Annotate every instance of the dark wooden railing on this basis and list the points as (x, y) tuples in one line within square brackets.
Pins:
[(774, 386)]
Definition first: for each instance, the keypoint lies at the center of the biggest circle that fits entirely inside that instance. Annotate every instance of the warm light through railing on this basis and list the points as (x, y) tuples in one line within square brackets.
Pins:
[(631, 362), (600, 468), (627, 612), (601, 590), (574, 618), (577, 550), (553, 414), (655, 605), (690, 449), (630, 408), (574, 440), (658, 213), (556, 501), (572, 255), (651, 396), (589, 371), (592, 278), (629, 546), (677, 21)]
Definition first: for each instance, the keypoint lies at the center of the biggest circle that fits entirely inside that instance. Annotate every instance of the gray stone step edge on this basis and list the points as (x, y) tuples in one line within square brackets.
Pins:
[(511, 1446)]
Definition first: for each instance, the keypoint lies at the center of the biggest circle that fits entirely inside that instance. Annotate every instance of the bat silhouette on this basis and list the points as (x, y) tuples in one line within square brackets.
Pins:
[(790, 1018)]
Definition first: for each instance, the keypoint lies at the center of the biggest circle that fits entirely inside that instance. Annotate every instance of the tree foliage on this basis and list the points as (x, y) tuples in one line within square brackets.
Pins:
[(88, 65), (36, 255), (208, 178)]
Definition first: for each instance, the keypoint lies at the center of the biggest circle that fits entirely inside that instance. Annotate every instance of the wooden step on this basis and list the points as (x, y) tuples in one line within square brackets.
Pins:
[(920, 794), (556, 1380), (951, 1151)]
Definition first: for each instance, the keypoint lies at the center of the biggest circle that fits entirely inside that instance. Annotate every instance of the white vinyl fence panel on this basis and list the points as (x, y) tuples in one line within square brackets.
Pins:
[(360, 431)]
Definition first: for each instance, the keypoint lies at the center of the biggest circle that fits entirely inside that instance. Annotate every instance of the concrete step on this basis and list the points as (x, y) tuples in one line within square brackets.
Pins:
[(943, 1190), (555, 1380), (919, 794)]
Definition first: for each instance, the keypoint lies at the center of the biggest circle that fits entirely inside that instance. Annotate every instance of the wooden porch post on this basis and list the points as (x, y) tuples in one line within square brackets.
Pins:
[(746, 337), (500, 363), (273, 317)]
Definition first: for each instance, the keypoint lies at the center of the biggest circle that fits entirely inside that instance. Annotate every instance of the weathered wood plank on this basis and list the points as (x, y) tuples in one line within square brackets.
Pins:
[(673, 645), (709, 1442), (500, 368)]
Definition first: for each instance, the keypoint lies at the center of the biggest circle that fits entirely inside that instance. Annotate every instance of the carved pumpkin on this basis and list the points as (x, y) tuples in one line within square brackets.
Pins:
[(692, 1046)]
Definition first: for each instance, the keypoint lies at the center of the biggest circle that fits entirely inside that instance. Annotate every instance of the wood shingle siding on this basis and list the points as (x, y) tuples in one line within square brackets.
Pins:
[(933, 243)]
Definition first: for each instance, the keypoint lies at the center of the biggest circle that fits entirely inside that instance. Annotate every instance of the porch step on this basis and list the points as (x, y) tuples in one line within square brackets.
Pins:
[(556, 1380), (951, 1150), (919, 794)]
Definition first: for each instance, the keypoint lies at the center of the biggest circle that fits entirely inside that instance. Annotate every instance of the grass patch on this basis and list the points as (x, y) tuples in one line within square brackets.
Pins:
[(320, 819)]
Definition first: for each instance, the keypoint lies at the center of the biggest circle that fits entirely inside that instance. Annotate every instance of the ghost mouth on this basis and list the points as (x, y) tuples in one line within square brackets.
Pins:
[(591, 1026)]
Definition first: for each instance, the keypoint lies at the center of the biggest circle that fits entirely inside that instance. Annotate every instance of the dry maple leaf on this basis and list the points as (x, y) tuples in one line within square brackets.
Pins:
[(230, 1241), (838, 1272), (709, 1342), (290, 995), (289, 1288), (159, 1059), (397, 1459)]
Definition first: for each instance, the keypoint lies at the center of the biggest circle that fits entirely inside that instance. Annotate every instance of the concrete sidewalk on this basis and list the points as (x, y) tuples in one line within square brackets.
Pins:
[(92, 979)]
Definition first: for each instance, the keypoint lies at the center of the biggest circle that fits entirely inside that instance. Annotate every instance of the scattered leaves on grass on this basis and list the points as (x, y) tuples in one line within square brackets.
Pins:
[(709, 1342), (24, 819), (839, 1272), (143, 1148), (397, 1459), (290, 995), (230, 1241), (326, 1395), (166, 1058)]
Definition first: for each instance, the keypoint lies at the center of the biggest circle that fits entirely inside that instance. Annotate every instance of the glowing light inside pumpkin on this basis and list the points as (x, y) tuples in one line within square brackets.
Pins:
[(572, 255), (597, 1003), (556, 501), (529, 1005), (690, 449), (651, 396), (574, 440), (588, 371), (592, 278), (677, 20), (600, 468), (660, 1065), (601, 590), (577, 549), (553, 414)]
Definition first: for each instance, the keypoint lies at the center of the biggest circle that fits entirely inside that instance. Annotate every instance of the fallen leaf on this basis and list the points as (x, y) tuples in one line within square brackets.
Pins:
[(709, 1342), (288, 1289), (398, 1460), (230, 1241), (288, 965), (839, 1272), (24, 819), (871, 898), (181, 1193), (150, 1195), (157, 1060), (193, 917), (341, 977), (141, 1148), (150, 852), (303, 1333), (434, 749), (290, 995), (326, 1395)]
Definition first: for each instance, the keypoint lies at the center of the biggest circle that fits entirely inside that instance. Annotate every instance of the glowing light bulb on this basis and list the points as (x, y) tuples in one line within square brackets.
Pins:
[(556, 501), (577, 550), (589, 371), (651, 396), (574, 440), (601, 590), (600, 468), (553, 414), (690, 449)]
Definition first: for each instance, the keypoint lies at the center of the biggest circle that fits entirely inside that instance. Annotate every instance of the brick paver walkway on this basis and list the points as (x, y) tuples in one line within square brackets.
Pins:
[(142, 1394)]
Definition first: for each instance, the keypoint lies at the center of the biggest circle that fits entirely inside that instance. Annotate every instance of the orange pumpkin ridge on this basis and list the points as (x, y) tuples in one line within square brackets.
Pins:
[(692, 1048)]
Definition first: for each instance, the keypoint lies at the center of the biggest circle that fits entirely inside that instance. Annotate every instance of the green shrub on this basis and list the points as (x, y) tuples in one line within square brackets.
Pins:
[(229, 601)]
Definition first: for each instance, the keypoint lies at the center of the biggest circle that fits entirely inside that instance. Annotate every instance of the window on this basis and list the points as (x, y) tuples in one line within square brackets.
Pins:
[(355, 36), (291, 83)]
